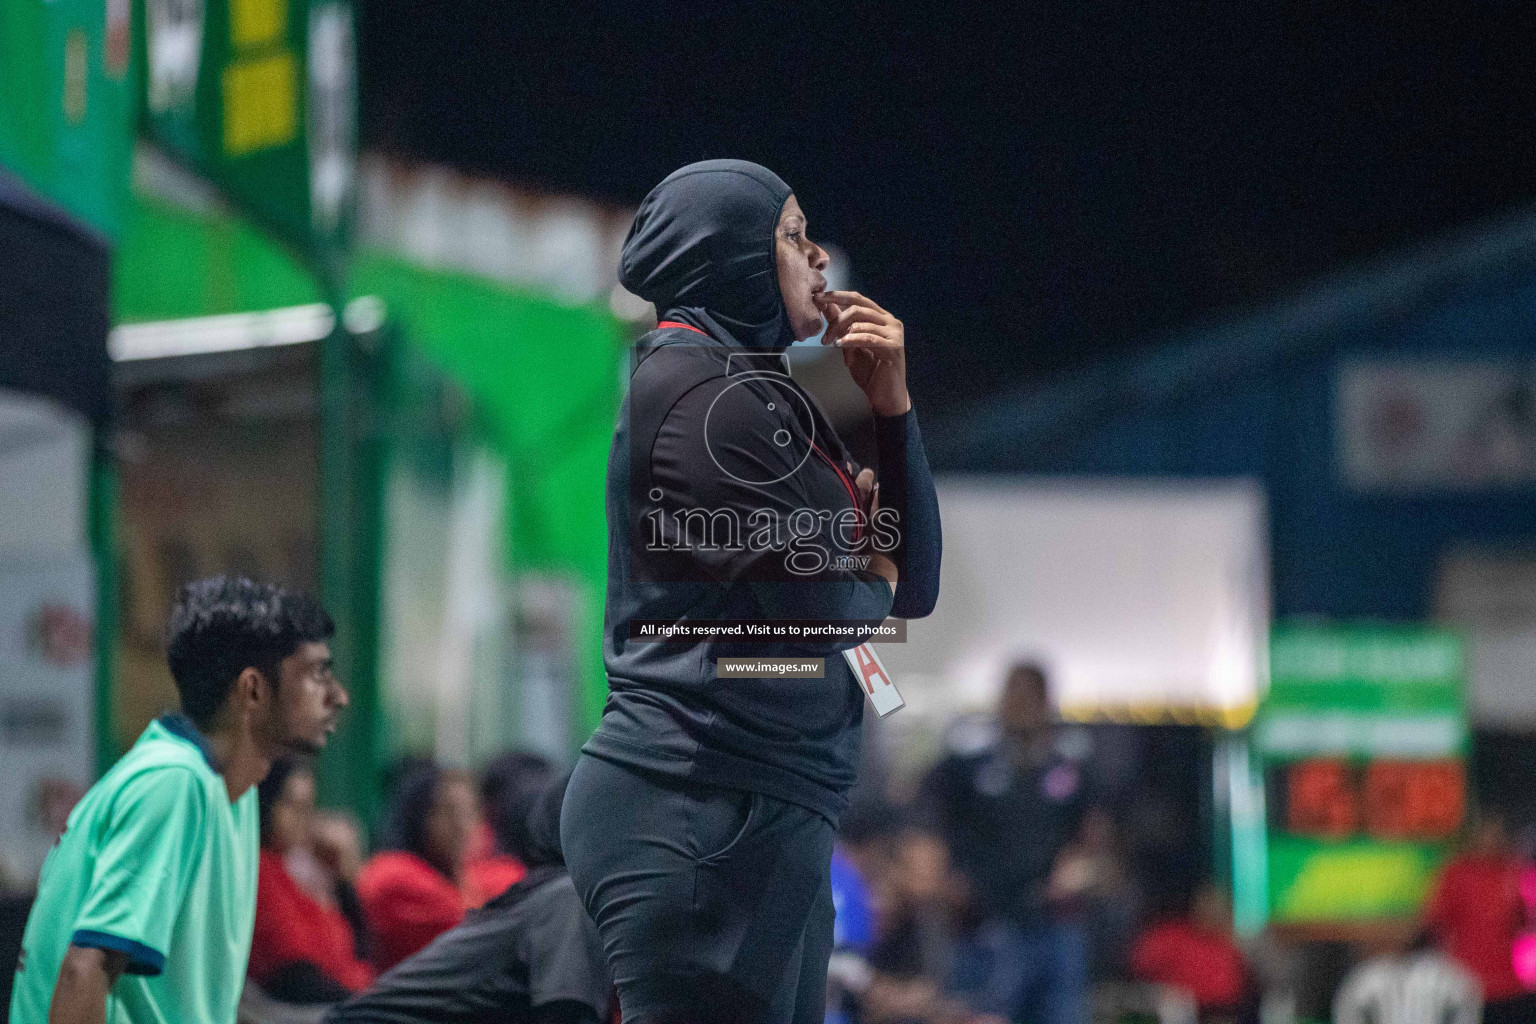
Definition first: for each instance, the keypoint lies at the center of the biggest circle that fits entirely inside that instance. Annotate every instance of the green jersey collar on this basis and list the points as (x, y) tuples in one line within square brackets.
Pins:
[(178, 724)]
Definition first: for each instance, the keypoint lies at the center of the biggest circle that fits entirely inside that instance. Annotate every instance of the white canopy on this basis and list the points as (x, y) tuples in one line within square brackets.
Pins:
[(1145, 600)]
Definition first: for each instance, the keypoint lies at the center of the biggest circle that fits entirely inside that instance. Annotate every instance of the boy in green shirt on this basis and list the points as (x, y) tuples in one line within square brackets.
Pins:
[(145, 907)]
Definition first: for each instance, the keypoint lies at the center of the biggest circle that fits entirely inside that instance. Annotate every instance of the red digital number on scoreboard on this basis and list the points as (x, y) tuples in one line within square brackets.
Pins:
[(1394, 800), (1414, 799), (1320, 800)]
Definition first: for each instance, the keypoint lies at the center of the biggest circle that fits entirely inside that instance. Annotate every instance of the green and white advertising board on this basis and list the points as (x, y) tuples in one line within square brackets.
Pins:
[(1362, 742), (259, 98), (66, 122)]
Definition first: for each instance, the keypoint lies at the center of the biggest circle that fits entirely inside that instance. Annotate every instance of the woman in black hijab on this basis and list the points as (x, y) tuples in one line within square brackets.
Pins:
[(698, 824)]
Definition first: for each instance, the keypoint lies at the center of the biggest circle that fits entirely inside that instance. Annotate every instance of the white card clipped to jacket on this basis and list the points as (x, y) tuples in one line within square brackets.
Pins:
[(874, 678)]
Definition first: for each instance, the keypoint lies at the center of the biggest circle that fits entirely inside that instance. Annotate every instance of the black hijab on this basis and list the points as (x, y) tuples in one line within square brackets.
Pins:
[(701, 250)]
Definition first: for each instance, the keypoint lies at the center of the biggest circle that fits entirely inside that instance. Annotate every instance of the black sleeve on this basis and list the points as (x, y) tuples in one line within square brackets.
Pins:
[(352, 909), (304, 983), (564, 1012), (906, 485), (563, 951)]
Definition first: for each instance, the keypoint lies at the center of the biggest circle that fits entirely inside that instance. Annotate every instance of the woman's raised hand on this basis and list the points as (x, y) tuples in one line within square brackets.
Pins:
[(874, 348)]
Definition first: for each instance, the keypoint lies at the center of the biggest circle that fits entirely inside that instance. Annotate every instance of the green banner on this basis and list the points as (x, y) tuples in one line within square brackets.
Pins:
[(66, 120), (259, 97), (545, 377), (1362, 741)]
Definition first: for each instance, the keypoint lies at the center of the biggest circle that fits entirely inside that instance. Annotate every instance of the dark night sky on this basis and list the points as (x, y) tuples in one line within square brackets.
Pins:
[(1024, 187)]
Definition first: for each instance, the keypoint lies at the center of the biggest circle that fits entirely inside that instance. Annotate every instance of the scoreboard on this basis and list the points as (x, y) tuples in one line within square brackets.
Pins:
[(1333, 800), (1361, 741)]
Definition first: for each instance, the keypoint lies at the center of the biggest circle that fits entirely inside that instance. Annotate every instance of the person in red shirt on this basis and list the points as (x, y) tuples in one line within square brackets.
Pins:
[(1197, 954), (419, 886), (304, 948), (1475, 911)]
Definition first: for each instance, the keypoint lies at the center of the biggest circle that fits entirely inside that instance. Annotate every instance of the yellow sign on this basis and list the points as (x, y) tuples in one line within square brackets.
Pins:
[(255, 23), (260, 103)]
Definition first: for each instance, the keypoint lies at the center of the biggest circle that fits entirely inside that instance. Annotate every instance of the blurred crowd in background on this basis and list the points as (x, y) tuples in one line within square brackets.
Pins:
[(1009, 886), (1221, 333)]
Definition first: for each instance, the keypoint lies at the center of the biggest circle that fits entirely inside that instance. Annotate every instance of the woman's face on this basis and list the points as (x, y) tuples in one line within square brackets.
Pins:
[(801, 262), (293, 813), (451, 823)]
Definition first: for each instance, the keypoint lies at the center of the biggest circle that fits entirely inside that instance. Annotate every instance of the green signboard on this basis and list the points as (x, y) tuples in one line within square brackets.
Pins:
[(259, 97), (1362, 741), (66, 122)]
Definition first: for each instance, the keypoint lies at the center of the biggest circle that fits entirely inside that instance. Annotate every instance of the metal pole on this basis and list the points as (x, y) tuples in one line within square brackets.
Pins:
[(102, 487), (349, 524)]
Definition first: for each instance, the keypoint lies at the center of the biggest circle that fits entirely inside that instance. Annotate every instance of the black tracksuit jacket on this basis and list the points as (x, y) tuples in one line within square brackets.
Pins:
[(730, 498)]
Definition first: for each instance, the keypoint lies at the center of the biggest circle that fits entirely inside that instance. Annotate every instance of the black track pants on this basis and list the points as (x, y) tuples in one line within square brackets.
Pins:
[(714, 905)]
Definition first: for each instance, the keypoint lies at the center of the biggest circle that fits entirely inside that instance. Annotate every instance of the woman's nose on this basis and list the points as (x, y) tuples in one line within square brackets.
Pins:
[(821, 259)]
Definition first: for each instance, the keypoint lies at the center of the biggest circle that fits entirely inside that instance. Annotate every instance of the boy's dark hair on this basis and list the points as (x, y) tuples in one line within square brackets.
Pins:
[(224, 625)]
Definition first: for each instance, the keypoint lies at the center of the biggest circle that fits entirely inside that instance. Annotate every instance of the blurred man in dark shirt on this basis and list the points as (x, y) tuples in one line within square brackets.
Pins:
[(1009, 807)]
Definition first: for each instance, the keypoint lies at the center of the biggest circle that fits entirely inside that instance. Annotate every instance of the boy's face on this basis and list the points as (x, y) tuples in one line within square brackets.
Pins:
[(308, 700)]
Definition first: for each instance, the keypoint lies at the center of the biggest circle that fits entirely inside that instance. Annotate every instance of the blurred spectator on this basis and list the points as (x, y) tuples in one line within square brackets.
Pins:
[(402, 768), (53, 799), (853, 934), (418, 888), (858, 859), (1277, 971), (1196, 953), (912, 958), (305, 949), (1408, 982), (864, 836), (1476, 912), (1010, 808), (509, 785), (530, 955), (915, 937), (1111, 899)]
